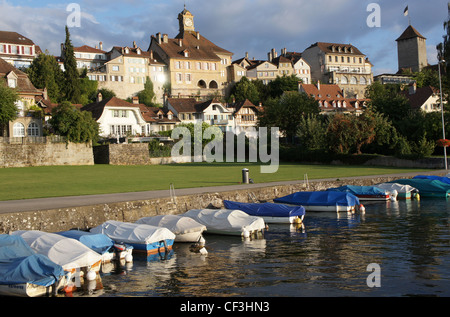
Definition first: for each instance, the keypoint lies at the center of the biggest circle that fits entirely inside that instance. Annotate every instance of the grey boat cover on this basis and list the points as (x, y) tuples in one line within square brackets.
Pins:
[(175, 223)]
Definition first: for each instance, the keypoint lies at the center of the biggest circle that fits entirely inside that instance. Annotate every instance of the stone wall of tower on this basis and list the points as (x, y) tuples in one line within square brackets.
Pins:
[(412, 53)]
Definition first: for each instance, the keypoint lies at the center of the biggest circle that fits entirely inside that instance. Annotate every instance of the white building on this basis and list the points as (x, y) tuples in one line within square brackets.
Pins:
[(17, 50)]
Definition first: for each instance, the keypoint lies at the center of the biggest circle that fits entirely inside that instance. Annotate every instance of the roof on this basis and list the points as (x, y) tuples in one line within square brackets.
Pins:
[(328, 48), (88, 49), (410, 33), (198, 48), (190, 105), (150, 114), (24, 84), (421, 95), (14, 38), (97, 108), (325, 91)]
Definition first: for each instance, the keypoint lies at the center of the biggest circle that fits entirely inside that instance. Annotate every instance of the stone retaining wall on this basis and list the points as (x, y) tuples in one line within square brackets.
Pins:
[(91, 216), (46, 154)]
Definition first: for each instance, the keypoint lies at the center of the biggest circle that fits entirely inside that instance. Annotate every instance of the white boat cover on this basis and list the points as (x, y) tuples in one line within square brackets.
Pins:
[(400, 188), (175, 223), (226, 220), (67, 252), (128, 232)]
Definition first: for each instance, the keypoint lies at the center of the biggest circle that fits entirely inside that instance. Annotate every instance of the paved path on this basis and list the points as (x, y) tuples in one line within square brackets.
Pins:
[(78, 201)]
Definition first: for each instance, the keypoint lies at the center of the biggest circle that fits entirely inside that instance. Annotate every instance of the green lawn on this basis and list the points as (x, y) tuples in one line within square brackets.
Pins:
[(55, 181)]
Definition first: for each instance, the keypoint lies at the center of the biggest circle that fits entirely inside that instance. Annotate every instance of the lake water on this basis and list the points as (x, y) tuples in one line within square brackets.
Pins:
[(408, 241)]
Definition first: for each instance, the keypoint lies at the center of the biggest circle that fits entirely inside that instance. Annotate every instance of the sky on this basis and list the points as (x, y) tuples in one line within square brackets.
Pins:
[(239, 26)]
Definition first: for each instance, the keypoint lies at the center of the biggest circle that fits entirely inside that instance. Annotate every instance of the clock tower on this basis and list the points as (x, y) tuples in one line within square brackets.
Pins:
[(186, 20)]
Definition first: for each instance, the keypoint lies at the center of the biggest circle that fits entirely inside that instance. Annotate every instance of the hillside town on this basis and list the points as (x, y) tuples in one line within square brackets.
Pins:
[(141, 93)]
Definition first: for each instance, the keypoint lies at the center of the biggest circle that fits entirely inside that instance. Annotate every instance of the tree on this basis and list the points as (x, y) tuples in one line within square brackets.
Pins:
[(8, 109), (311, 132), (287, 111), (72, 90), (281, 84), (147, 96), (44, 72), (245, 89), (78, 126)]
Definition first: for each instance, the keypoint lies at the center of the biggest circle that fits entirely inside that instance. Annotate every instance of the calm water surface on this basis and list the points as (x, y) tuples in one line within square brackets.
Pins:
[(409, 240)]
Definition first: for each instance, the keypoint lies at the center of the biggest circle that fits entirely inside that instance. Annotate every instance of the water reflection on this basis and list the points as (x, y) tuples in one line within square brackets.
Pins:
[(327, 256)]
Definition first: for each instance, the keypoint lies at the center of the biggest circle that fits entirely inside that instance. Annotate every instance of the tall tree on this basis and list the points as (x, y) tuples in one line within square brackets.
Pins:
[(72, 85), (147, 96), (8, 109), (44, 72), (245, 89)]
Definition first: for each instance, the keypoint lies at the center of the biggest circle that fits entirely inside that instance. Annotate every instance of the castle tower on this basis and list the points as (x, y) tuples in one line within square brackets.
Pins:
[(412, 50)]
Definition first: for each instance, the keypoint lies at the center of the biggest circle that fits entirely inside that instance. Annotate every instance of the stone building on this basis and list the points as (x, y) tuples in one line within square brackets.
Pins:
[(340, 64), (412, 50), (196, 66), (29, 122)]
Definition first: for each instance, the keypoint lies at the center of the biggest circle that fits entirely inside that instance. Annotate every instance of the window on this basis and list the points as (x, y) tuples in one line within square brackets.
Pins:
[(33, 129), (115, 68), (18, 130), (12, 83), (115, 113)]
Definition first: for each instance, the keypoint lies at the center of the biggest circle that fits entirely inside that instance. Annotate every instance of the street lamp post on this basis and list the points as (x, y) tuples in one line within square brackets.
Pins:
[(442, 111)]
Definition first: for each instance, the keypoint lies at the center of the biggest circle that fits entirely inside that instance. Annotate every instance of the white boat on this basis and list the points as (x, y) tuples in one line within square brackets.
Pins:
[(101, 244), (25, 273), (227, 221), (403, 191), (143, 238), (71, 254), (185, 229)]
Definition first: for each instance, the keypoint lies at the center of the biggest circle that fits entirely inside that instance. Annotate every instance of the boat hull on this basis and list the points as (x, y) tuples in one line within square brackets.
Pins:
[(32, 290), (153, 248)]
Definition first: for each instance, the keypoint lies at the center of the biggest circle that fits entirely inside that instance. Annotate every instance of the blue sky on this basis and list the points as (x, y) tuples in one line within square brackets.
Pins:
[(240, 26)]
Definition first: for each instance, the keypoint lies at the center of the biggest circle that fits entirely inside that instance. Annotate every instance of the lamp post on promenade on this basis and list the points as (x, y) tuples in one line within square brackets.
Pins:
[(442, 111)]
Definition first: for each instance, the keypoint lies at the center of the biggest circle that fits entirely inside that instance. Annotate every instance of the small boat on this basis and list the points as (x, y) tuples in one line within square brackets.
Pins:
[(402, 191), (142, 237), (71, 254), (185, 229), (428, 188), (227, 221), (364, 193), (101, 244), (270, 212), (322, 201), (25, 273)]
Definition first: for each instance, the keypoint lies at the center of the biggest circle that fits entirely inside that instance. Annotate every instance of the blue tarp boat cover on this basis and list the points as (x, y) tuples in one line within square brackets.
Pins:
[(319, 198), (427, 187), (20, 264), (432, 177), (98, 242), (359, 190), (266, 209)]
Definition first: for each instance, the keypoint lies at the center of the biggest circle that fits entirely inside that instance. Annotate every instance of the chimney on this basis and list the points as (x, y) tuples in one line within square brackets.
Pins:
[(134, 44), (101, 45), (318, 85), (158, 36), (165, 38), (273, 54), (135, 100), (246, 55), (180, 42), (198, 35), (269, 56), (151, 55), (412, 88), (99, 97)]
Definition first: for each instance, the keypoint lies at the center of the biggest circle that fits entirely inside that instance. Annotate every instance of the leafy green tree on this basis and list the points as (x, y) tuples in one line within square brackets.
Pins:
[(45, 72), (72, 90), (287, 111), (282, 84), (245, 89), (8, 109), (87, 89), (106, 94), (311, 132), (147, 96), (78, 126)]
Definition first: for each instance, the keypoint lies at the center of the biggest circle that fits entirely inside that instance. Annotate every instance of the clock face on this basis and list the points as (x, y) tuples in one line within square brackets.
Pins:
[(188, 22)]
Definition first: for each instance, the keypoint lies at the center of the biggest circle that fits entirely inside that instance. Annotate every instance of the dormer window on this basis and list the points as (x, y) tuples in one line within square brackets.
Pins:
[(138, 51), (127, 51), (12, 82)]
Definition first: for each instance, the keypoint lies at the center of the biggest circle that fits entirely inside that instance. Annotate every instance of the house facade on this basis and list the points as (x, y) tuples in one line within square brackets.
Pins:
[(29, 122), (340, 64), (245, 115), (17, 49), (196, 66), (116, 117), (126, 71), (331, 99), (89, 57), (426, 98)]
